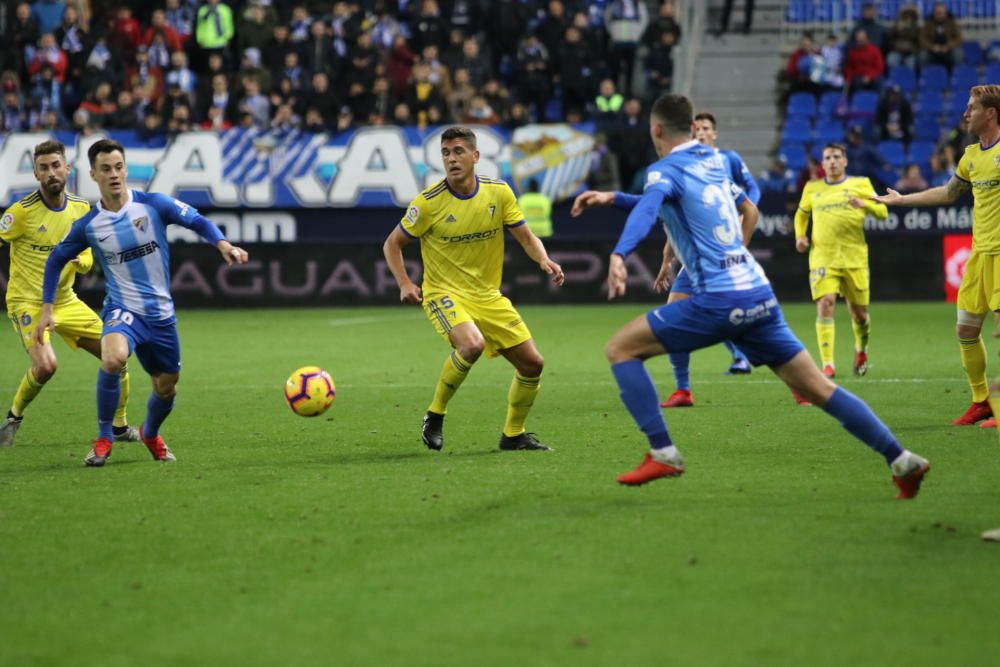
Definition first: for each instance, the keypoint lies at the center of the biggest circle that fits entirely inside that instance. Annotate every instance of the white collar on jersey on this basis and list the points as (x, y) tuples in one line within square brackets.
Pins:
[(128, 200), (686, 145)]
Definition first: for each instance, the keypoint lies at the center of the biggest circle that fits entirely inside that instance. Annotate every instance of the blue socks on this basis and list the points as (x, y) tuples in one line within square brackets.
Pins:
[(735, 351), (639, 396), (681, 361), (157, 410), (859, 420), (108, 393)]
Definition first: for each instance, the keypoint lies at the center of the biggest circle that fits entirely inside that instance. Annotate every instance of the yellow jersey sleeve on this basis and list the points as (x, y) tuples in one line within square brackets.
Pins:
[(804, 211), (85, 261), (417, 219), (12, 223), (512, 215), (962, 170)]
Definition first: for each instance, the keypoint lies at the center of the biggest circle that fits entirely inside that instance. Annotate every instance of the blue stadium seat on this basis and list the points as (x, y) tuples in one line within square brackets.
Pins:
[(992, 74), (927, 128), (934, 77), (956, 7), (829, 11), (972, 52), (800, 11), (864, 103), (963, 77), (904, 77), (984, 8), (794, 156), (930, 102), (829, 130), (921, 152), (829, 103), (801, 105), (893, 153), (992, 54), (887, 10), (796, 130)]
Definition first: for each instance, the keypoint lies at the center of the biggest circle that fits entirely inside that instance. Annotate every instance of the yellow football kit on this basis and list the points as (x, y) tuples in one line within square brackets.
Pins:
[(980, 289), (33, 230), (462, 247), (838, 252)]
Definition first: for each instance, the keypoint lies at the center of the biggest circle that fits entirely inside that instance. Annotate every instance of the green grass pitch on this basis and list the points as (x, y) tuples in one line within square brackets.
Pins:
[(279, 540)]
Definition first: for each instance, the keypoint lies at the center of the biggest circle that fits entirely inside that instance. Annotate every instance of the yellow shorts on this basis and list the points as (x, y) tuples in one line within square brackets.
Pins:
[(852, 284), (979, 292), (73, 320), (497, 319)]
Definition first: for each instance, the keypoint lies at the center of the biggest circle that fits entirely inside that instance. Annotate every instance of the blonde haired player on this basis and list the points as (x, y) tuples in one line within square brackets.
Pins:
[(979, 171), (838, 252), (460, 222), (33, 227)]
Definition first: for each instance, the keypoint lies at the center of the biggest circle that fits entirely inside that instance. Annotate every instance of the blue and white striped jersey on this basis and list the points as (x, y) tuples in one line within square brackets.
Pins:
[(131, 247), (701, 218)]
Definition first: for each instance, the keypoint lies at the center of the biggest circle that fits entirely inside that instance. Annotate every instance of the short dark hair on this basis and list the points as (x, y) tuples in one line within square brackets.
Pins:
[(837, 146), (103, 146), (459, 132), (705, 115), (675, 112), (50, 147)]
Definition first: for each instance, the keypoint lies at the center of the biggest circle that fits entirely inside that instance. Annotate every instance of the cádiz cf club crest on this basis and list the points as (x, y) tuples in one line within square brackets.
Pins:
[(556, 157)]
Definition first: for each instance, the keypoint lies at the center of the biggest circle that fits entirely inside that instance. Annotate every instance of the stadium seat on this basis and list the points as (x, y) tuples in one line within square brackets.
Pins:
[(893, 153), (864, 103), (934, 77), (921, 152), (887, 10), (904, 77), (992, 74), (972, 52), (829, 11), (801, 105), (984, 8), (828, 131), (801, 11), (992, 54), (963, 77), (927, 128), (796, 130), (794, 155), (930, 103), (829, 104)]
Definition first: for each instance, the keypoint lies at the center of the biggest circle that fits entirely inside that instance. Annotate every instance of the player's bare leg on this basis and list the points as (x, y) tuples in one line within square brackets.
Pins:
[(973, 351), (861, 324), (528, 365), (43, 367), (826, 307), (626, 351), (120, 428), (468, 344), (114, 355), (161, 402), (802, 376)]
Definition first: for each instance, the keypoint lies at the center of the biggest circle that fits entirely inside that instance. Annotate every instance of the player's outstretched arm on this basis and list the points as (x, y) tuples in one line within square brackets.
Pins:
[(392, 249), (943, 194), (591, 199), (535, 249)]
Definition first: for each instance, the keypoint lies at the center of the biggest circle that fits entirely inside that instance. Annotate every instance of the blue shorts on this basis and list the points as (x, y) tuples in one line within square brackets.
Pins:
[(155, 344), (752, 319), (682, 283)]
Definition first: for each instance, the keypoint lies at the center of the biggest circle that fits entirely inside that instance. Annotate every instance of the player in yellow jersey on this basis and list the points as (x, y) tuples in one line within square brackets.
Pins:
[(460, 222), (33, 227), (978, 170), (838, 252)]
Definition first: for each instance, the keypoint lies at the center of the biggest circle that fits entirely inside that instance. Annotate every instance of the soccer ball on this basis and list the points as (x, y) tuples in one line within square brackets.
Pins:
[(310, 391)]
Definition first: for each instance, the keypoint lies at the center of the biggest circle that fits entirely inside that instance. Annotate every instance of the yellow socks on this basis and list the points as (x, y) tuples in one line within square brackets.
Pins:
[(26, 392), (861, 334), (452, 375), (120, 418), (825, 336), (974, 362), (520, 398)]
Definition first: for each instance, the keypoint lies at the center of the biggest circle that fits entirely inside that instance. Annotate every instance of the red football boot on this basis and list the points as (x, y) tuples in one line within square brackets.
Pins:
[(829, 371), (651, 469), (800, 399), (157, 447), (989, 423), (975, 413), (99, 454), (860, 363), (681, 398), (909, 484)]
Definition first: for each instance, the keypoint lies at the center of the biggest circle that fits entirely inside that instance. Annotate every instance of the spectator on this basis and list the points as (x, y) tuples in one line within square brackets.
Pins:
[(15, 119), (285, 118), (400, 66), (608, 105), (382, 102), (533, 78), (345, 120), (126, 34), (151, 130), (82, 124), (385, 29), (71, 36), (626, 21), (479, 111), (159, 25), (424, 99), (49, 53), (100, 106), (551, 28), (777, 177), (941, 170), (476, 63), (911, 180), (603, 174), (274, 56), (179, 122), (206, 81), (180, 74), (802, 66), (99, 65), (345, 26), (180, 16), (660, 66), (46, 95), (440, 75), (255, 103), (145, 76), (864, 160), (941, 38), (214, 26), (812, 171), (318, 54), (175, 97), (593, 39), (298, 27), (507, 20), (323, 100), (466, 15), (216, 120), (497, 98), (401, 114), (48, 14), (630, 141), (665, 21), (313, 121), (125, 116), (219, 96), (864, 66), (428, 29), (254, 32), (958, 138), (518, 117), (904, 39), (292, 71), (250, 67), (894, 116), (23, 35), (461, 95), (159, 54), (833, 63), (574, 72), (874, 31)]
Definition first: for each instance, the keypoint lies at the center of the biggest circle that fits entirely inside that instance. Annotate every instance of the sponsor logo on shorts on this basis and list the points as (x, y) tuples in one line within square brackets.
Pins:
[(25, 320), (761, 311), (514, 323)]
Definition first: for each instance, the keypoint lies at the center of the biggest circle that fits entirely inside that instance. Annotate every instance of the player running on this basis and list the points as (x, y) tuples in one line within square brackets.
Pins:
[(979, 171), (460, 223), (838, 252), (127, 231), (732, 300), (33, 227)]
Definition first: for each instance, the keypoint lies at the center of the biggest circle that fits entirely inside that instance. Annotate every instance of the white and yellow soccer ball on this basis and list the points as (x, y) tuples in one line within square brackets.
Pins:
[(310, 391)]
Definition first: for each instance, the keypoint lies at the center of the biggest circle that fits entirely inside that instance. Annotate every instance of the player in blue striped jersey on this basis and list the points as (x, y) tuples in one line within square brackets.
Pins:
[(689, 188), (127, 232)]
